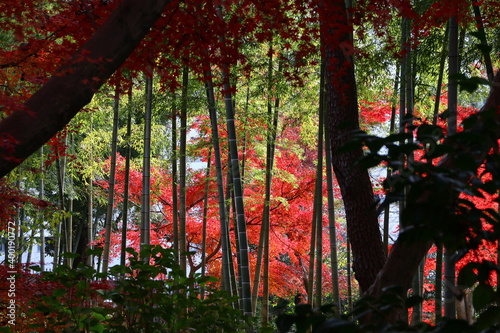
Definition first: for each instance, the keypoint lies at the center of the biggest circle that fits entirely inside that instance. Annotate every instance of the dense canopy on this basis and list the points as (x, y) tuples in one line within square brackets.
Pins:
[(273, 145)]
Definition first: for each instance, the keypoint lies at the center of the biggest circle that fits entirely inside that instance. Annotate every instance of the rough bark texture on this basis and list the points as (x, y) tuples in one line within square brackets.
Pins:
[(342, 107), (74, 84), (372, 272)]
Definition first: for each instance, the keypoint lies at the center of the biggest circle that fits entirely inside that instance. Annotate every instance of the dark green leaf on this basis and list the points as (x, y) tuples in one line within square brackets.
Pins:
[(485, 49), (483, 295), (469, 84), (470, 121), (70, 255), (467, 276), (488, 318), (413, 301)]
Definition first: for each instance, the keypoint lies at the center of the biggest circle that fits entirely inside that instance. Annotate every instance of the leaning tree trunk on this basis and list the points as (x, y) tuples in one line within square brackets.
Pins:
[(75, 82), (405, 257), (244, 267), (319, 250), (242, 243), (312, 245), (484, 46), (230, 209), (263, 250), (442, 61)]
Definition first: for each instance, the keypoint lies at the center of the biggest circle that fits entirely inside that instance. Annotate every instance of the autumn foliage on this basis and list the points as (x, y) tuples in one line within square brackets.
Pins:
[(273, 50)]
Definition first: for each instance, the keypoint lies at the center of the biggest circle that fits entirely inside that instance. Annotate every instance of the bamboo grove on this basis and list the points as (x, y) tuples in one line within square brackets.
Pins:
[(336, 152)]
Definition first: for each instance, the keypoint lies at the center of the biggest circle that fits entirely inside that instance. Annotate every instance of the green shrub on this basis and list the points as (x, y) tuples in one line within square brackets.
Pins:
[(152, 296)]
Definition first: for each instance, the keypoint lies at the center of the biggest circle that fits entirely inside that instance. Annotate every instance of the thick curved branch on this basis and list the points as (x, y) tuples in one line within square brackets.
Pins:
[(73, 85)]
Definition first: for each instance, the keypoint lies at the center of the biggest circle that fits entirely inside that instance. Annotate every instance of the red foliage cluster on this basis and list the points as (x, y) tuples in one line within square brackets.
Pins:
[(374, 112), (195, 34), (23, 289), (485, 251), (13, 198)]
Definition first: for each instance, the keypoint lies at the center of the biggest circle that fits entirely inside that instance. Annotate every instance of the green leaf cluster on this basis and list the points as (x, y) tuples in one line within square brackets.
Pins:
[(151, 294)]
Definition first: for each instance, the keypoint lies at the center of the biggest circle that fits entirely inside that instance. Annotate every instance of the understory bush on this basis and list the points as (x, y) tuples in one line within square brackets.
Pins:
[(151, 294)]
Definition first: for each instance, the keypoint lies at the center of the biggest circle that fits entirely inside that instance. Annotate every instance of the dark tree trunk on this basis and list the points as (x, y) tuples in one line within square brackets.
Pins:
[(484, 46), (223, 212), (342, 107), (73, 84)]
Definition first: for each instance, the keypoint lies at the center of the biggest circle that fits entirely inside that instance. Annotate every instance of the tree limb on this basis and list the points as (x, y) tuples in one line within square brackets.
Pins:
[(74, 83)]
